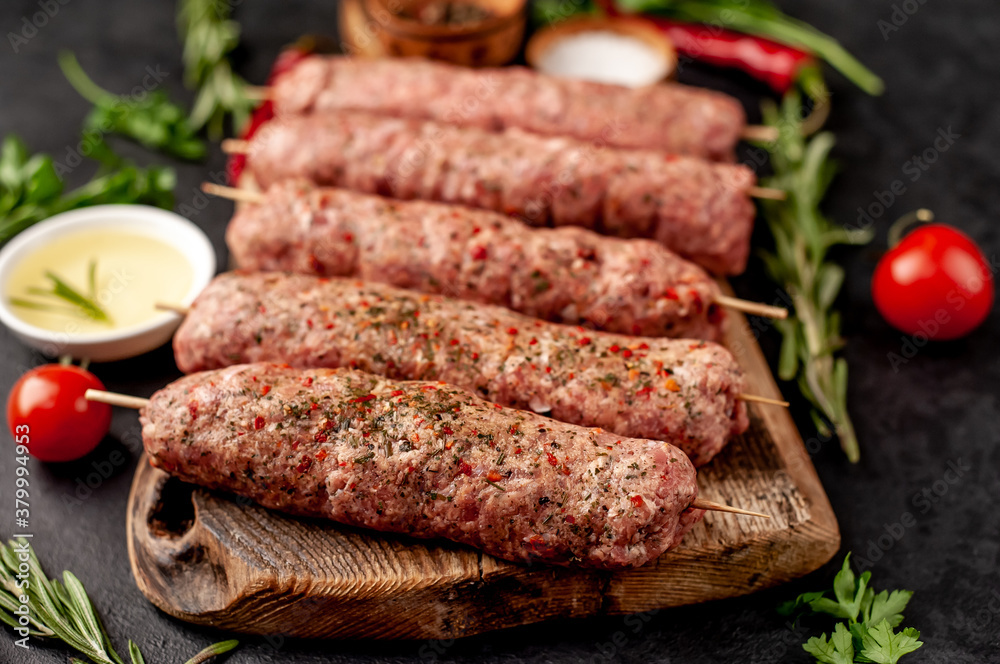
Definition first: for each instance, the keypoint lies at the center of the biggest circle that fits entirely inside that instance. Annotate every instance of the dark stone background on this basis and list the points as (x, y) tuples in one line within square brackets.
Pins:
[(942, 71)]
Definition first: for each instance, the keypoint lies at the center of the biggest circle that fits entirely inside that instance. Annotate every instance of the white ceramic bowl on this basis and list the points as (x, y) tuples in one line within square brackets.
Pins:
[(129, 341)]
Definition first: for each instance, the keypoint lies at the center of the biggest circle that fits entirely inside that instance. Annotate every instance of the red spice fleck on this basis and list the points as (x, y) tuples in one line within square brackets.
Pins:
[(193, 409), (475, 356), (313, 406), (348, 237), (365, 434), (352, 486), (429, 388), (497, 406), (551, 459), (585, 341), (261, 309), (307, 381), (671, 294), (295, 444), (464, 468), (367, 397), (637, 501), (517, 450), (643, 346), (533, 341), (548, 369), (321, 455), (315, 265), (494, 476), (454, 342), (309, 323), (259, 423), (513, 430), (615, 348), (409, 469), (341, 464), (626, 353), (320, 438), (479, 253), (571, 519), (329, 326), (475, 230), (511, 331), (397, 393), (572, 375), (264, 390), (696, 302), (644, 391), (447, 430)]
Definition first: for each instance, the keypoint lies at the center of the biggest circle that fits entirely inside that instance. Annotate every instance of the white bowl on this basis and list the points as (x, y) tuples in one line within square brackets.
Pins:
[(129, 341)]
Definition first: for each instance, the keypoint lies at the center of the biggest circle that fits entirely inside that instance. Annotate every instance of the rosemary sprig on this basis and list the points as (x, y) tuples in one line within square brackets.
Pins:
[(209, 35), (79, 304), (802, 239), (62, 610)]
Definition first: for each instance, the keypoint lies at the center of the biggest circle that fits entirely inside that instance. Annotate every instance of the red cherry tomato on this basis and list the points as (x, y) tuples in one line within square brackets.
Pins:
[(935, 282), (61, 424)]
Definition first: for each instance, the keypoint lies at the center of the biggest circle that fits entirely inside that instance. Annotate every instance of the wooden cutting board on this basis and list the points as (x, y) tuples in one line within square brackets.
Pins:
[(215, 559)]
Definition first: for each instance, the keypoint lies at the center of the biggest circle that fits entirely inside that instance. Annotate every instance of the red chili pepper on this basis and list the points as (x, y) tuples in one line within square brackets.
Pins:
[(766, 60)]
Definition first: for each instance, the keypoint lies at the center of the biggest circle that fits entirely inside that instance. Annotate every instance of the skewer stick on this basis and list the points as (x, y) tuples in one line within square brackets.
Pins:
[(176, 308), (755, 308), (241, 146), (767, 193), (257, 92), (235, 146), (701, 504), (759, 133), (232, 193), (115, 399), (765, 400)]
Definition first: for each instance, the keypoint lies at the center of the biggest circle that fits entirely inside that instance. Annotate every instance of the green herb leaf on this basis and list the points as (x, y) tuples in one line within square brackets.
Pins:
[(882, 645), (838, 650)]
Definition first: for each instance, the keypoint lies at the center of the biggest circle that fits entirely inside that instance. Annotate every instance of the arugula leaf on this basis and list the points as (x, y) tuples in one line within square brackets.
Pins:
[(882, 645), (838, 650)]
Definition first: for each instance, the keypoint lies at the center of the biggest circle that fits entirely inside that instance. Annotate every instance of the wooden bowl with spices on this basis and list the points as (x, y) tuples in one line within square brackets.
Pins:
[(474, 33), (622, 50)]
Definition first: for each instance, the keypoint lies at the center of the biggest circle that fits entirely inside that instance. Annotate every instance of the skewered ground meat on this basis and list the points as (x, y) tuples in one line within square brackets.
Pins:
[(681, 391), (566, 275), (423, 459)]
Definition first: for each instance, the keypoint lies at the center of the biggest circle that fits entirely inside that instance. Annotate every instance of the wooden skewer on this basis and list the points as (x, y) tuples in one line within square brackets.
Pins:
[(765, 400), (127, 401), (755, 308), (176, 308), (115, 399), (768, 193), (257, 92), (241, 146), (760, 133), (232, 193), (712, 506)]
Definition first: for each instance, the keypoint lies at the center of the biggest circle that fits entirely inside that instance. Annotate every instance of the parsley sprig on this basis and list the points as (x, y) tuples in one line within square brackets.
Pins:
[(62, 610), (867, 631), (31, 188)]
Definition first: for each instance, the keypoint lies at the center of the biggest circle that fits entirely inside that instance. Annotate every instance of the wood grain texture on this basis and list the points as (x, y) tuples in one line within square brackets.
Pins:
[(216, 559)]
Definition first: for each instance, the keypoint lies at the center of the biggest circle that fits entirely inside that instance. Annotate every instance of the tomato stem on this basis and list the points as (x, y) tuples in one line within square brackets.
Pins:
[(898, 228)]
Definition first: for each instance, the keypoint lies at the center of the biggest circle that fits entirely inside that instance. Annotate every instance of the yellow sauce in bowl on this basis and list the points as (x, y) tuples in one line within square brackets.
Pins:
[(134, 272)]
